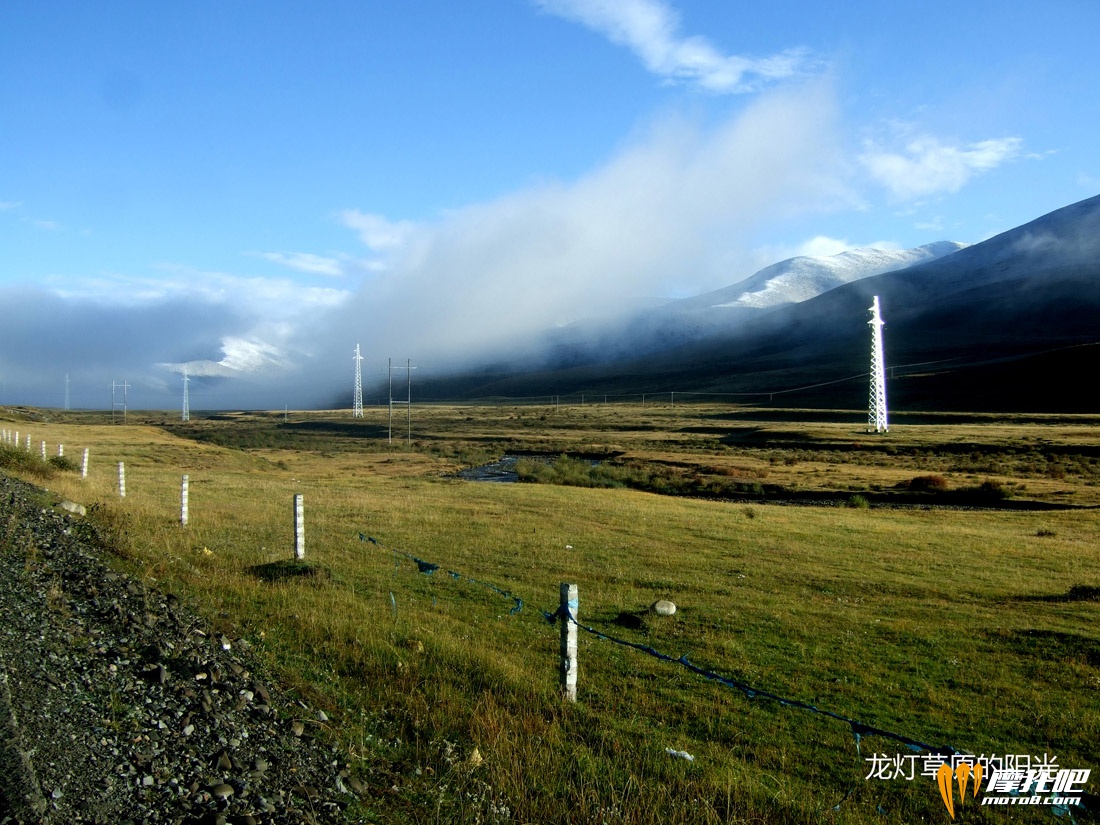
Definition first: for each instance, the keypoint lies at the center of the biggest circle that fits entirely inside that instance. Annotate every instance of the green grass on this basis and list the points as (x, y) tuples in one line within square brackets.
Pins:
[(976, 629)]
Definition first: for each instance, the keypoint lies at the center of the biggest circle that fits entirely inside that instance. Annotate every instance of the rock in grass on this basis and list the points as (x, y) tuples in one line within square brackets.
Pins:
[(663, 607), (73, 507)]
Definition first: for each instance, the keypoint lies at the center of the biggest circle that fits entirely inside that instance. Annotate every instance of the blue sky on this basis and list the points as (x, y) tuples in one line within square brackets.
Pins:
[(249, 190)]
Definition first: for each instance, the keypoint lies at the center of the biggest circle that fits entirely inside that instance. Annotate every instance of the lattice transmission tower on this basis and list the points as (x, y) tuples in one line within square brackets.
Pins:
[(876, 412), (186, 399), (357, 405), (115, 387)]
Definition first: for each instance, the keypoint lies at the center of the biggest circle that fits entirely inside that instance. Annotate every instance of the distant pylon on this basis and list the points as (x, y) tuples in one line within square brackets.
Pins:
[(125, 387), (357, 411), (186, 400), (876, 413)]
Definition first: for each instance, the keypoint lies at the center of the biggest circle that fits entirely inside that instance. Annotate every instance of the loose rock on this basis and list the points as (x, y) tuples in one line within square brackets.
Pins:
[(663, 607), (101, 704)]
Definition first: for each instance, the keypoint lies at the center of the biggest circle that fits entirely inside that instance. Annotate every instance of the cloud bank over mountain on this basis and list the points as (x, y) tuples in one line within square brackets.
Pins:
[(736, 157), (672, 212)]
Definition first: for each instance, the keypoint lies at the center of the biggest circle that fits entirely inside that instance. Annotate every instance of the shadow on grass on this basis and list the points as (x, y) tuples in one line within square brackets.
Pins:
[(1055, 646), (290, 570), (343, 429), (1077, 593)]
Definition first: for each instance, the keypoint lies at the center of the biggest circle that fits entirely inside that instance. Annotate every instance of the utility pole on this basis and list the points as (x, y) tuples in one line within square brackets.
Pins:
[(115, 386), (389, 370)]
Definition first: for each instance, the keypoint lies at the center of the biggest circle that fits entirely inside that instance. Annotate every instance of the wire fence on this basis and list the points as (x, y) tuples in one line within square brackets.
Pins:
[(946, 761), (858, 728)]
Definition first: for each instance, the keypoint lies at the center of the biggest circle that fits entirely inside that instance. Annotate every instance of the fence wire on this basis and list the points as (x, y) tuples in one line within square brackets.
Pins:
[(859, 729)]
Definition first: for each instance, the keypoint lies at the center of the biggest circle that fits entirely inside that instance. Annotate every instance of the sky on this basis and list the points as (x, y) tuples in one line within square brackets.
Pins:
[(247, 191)]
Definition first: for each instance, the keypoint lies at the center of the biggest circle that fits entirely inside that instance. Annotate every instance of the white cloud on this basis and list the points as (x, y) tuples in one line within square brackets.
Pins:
[(10, 205), (927, 166), (670, 211), (822, 246), (1088, 182), (934, 224), (819, 246), (269, 298), (651, 29), (305, 262), (377, 232), (240, 356)]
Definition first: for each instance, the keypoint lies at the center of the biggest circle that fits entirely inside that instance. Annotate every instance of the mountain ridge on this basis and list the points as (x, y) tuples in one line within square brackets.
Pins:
[(1013, 297)]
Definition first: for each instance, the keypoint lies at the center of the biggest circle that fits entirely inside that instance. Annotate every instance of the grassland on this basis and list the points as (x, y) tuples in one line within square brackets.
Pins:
[(972, 628)]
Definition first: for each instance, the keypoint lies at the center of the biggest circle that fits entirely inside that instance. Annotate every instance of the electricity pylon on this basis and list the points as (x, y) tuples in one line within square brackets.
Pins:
[(357, 411), (186, 416), (876, 413)]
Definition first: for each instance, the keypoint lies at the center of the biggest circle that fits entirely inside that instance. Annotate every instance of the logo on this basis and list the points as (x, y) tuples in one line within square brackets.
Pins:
[(961, 774), (1060, 787), (1010, 779)]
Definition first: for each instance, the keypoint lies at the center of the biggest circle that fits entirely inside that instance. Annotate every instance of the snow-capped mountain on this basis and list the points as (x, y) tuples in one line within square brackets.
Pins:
[(799, 279), (722, 311), (1011, 323)]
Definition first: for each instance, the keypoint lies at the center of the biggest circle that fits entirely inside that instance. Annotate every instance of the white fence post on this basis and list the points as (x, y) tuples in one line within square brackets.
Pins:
[(42, 449), (567, 612), (60, 450), (299, 526), (183, 501), (28, 442), (84, 465), (121, 480)]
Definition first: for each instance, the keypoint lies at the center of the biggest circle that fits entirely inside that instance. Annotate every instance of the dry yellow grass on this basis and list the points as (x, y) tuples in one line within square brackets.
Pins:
[(950, 626)]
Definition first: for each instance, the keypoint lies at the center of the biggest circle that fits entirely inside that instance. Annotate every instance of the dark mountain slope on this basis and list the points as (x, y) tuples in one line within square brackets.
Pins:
[(989, 315)]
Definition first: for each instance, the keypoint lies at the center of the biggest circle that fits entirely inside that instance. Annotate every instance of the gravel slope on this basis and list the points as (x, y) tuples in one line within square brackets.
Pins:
[(118, 706)]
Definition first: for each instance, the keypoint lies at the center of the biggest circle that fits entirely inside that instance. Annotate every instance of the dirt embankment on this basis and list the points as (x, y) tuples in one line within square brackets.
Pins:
[(118, 706)]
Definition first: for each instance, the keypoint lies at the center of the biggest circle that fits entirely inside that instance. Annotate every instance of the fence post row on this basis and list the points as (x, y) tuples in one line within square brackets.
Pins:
[(299, 526), (567, 612)]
